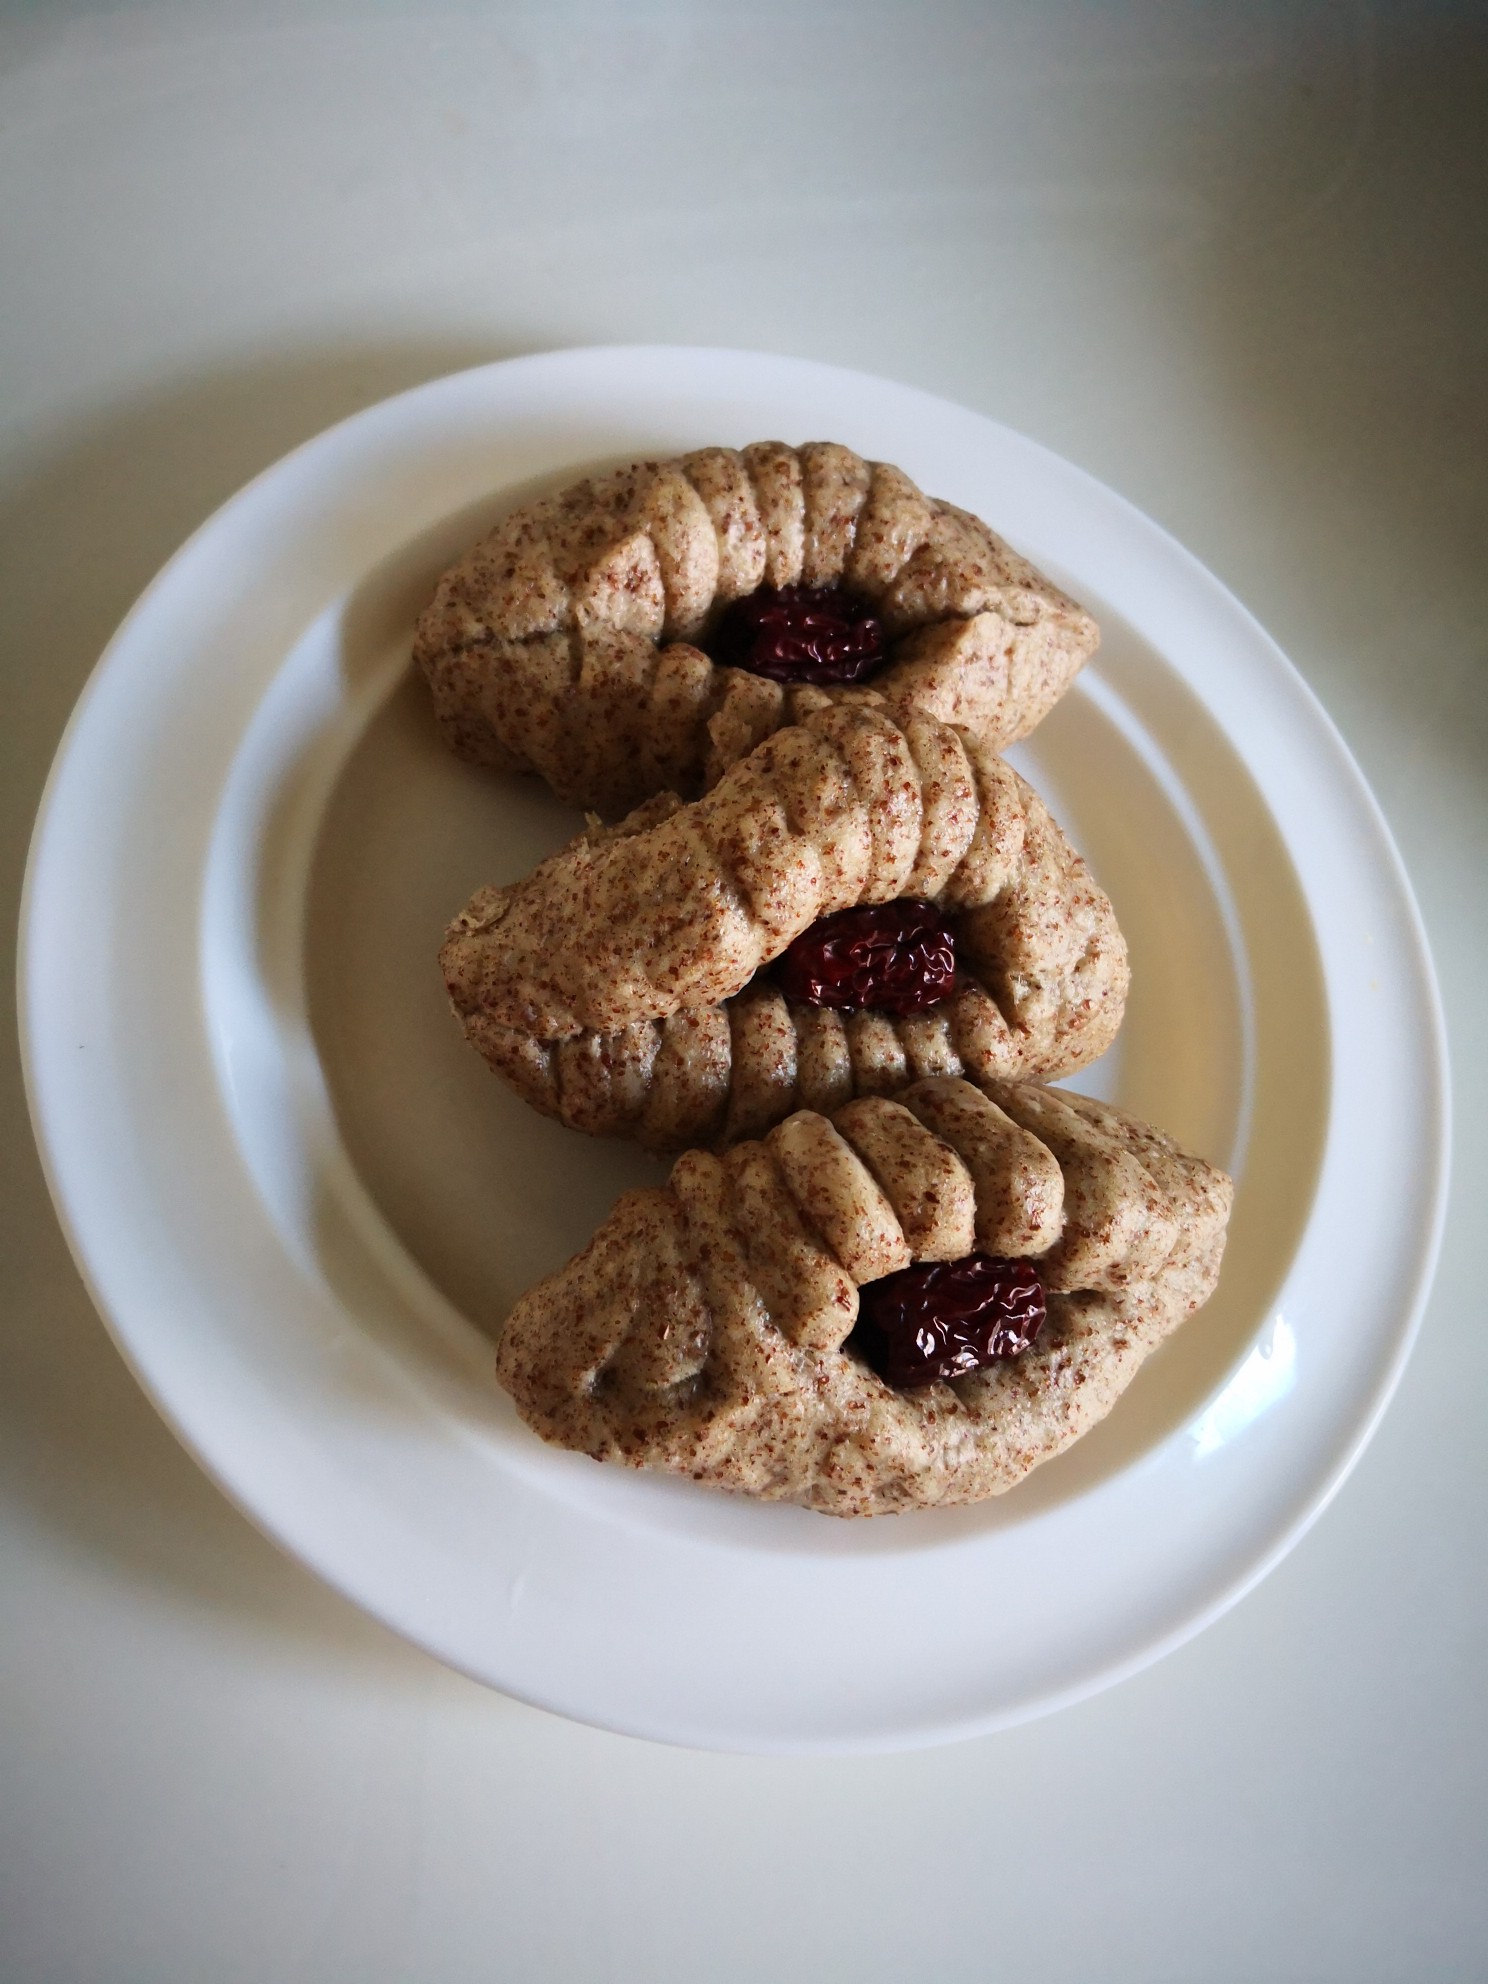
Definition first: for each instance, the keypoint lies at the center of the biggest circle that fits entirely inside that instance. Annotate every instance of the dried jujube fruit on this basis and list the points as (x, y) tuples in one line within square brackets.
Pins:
[(800, 634), (946, 1319), (893, 957)]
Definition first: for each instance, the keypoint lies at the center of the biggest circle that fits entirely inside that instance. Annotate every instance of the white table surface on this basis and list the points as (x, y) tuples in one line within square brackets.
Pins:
[(1229, 258)]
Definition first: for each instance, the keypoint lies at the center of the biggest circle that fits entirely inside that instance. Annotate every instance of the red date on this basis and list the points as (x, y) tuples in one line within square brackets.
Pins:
[(896, 957), (800, 634), (946, 1319)]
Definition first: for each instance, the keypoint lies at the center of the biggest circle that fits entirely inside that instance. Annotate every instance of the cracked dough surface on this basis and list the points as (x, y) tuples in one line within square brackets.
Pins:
[(703, 1329), (565, 641)]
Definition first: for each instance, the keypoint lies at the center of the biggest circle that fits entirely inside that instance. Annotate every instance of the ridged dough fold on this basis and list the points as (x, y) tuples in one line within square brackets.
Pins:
[(564, 642), (619, 988), (703, 1329)]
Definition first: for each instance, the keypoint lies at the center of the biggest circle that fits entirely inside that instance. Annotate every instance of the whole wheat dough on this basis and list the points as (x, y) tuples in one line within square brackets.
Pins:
[(563, 643), (617, 987), (702, 1330)]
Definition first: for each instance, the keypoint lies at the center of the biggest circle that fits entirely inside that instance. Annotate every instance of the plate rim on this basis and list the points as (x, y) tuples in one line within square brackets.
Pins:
[(1431, 1053)]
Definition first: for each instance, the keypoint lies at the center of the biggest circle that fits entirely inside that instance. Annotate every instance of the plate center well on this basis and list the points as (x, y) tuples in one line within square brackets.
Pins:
[(486, 1196)]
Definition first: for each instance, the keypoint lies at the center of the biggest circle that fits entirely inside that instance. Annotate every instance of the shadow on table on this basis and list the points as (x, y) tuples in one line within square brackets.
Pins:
[(83, 527), (1341, 327)]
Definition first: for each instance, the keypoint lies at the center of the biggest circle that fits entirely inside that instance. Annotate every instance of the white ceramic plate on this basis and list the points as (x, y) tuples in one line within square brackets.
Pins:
[(302, 1205)]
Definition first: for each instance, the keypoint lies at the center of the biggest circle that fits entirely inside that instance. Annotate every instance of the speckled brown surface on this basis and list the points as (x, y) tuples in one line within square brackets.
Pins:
[(616, 987), (563, 642), (702, 1329)]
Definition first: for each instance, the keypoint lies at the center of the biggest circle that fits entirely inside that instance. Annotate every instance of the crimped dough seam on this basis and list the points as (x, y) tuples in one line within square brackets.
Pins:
[(703, 1329), (565, 641), (618, 987)]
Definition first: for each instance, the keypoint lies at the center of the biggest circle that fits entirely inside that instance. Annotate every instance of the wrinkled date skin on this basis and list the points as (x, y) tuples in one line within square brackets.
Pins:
[(895, 957), (946, 1319), (800, 634)]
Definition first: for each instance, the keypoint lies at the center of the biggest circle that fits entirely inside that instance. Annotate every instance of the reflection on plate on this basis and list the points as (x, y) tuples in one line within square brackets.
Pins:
[(303, 1206)]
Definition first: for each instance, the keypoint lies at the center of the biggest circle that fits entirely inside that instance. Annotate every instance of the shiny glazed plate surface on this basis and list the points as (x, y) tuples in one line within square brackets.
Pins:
[(303, 1206)]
